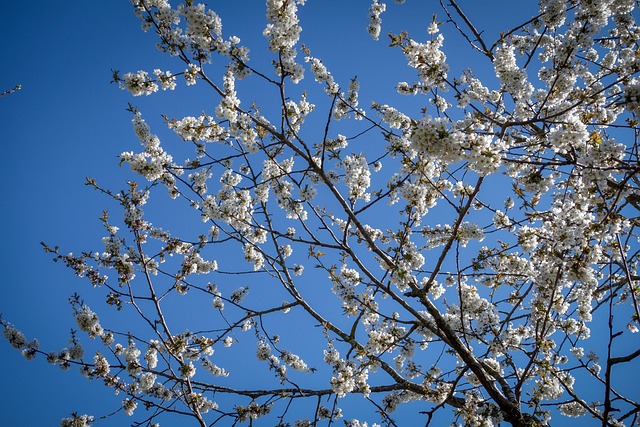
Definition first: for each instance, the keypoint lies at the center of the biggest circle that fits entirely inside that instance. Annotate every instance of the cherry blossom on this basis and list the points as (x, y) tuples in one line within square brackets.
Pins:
[(478, 256)]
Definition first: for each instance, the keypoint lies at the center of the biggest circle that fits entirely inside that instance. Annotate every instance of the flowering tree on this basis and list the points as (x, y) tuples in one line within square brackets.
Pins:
[(476, 263)]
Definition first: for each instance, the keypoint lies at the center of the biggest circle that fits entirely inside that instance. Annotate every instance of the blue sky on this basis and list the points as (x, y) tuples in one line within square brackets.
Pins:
[(68, 122)]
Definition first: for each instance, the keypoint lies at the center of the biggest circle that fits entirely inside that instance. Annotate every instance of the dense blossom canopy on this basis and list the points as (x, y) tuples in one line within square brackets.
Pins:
[(450, 265)]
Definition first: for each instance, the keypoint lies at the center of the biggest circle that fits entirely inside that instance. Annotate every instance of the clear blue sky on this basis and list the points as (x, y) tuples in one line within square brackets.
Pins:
[(69, 122)]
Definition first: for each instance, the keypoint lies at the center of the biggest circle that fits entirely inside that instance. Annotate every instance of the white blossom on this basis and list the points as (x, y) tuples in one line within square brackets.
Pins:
[(357, 177), (375, 21)]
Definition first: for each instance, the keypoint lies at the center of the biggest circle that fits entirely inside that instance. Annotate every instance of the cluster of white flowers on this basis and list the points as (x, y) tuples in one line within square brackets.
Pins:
[(131, 356), (283, 33), (199, 180), (510, 339), (308, 192), (473, 307), (252, 411), (138, 83), (264, 351), (247, 325), (167, 79), (264, 354), (244, 131), (535, 182), (632, 95), (164, 10), (404, 88), (513, 79), (232, 205), (372, 233), (429, 59), (356, 423), (572, 409), (101, 365), (31, 349), (187, 370), (420, 197), (151, 356), (88, 321), (202, 128), (322, 75), (484, 153), (403, 272), (563, 138), (347, 377), (201, 403), (391, 116), (141, 83), (294, 361), (296, 112), (191, 74), (477, 413), (553, 12), (357, 177), (344, 286), (253, 255), (436, 289), (153, 163), (475, 91), (440, 103), (440, 234), (336, 144), (273, 174), (549, 386), (202, 25), (190, 27), (14, 336), (228, 106), (350, 103), (375, 21), (501, 220), (384, 338), (239, 54), (239, 294), (601, 158), (77, 421), (218, 303), (129, 406), (213, 368), (432, 138), (394, 399), (147, 381), (272, 171), (193, 263)]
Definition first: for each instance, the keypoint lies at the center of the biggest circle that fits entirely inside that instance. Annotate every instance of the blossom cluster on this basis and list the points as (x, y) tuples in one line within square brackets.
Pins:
[(347, 376), (153, 162), (283, 33), (357, 177), (375, 21)]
